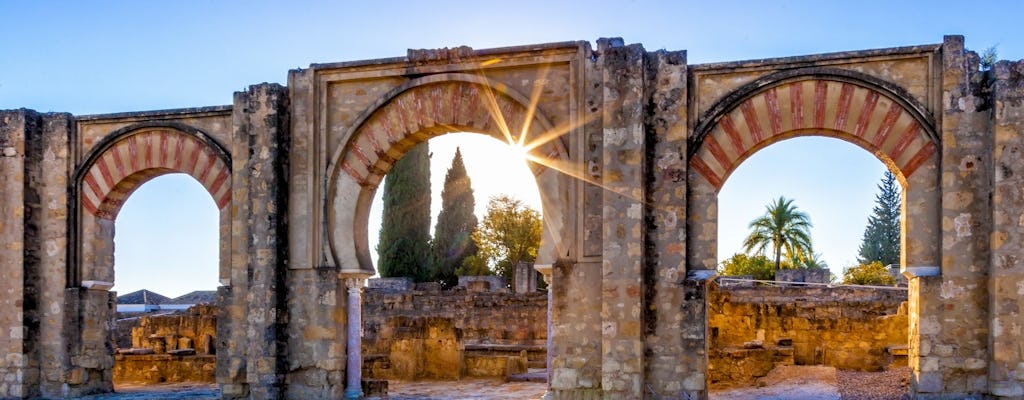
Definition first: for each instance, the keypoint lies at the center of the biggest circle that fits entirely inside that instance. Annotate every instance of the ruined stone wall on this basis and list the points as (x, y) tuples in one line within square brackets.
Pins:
[(417, 334), (754, 327), (1006, 372), (950, 329), (196, 329), (179, 347)]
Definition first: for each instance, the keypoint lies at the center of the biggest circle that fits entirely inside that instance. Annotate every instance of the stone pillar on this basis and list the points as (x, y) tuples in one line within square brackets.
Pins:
[(354, 361), (526, 278), (670, 359), (1006, 368), (46, 262), (259, 242), (622, 344), (952, 326), (13, 127)]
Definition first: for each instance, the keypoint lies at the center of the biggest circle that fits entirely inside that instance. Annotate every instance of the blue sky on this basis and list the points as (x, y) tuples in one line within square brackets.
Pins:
[(115, 56)]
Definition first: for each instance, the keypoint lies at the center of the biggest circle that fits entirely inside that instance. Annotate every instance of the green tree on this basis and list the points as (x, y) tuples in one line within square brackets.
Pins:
[(784, 228), (474, 265), (811, 261), (881, 240), (404, 246), (988, 58), (874, 273), (453, 234), (758, 266), (510, 233)]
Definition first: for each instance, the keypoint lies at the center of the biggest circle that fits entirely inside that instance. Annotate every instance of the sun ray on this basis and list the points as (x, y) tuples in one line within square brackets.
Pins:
[(491, 104), (531, 109)]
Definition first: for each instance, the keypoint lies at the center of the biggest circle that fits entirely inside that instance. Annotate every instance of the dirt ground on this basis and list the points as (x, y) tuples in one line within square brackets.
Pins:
[(783, 383), (822, 383), (466, 389)]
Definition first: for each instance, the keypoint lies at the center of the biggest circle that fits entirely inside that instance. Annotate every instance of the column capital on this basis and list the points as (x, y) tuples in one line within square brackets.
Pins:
[(353, 279), (545, 272)]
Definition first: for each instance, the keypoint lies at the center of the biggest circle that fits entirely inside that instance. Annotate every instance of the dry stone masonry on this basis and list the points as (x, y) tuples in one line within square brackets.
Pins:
[(633, 146)]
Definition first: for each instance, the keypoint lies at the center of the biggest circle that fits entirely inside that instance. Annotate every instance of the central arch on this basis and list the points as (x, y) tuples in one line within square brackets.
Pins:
[(415, 112)]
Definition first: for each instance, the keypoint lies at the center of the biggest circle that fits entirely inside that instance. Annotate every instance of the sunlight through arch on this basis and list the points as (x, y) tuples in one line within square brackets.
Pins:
[(493, 167)]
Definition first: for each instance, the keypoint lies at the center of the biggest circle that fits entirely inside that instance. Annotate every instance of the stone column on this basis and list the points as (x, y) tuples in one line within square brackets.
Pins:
[(671, 359), (1006, 368), (953, 308), (622, 340), (257, 358), (354, 363), (13, 127), (545, 272)]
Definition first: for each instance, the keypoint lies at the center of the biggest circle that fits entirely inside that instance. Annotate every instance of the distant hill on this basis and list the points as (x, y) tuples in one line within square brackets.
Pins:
[(196, 297), (143, 297)]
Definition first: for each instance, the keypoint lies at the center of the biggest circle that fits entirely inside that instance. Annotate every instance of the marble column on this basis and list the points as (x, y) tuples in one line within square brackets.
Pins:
[(354, 369)]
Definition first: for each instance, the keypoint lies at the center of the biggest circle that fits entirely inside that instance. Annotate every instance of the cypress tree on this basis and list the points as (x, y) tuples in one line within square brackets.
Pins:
[(404, 246), (881, 240), (453, 240)]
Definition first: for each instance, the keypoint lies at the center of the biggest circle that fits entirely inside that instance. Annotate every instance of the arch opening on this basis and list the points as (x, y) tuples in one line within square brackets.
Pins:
[(416, 112), (115, 169), (493, 167), (165, 265), (766, 113)]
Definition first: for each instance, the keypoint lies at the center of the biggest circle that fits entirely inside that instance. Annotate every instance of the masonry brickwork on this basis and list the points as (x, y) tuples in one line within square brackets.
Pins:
[(634, 145), (752, 329), (450, 334)]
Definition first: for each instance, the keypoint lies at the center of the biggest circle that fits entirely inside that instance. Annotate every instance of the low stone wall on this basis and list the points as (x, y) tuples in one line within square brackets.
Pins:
[(435, 334), (754, 328), (161, 368), (178, 347)]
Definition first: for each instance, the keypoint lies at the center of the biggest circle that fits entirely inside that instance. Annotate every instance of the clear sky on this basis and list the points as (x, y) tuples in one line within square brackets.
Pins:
[(101, 57)]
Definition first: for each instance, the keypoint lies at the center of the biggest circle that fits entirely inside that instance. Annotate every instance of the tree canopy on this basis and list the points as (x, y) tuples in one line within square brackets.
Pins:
[(404, 246), (453, 240), (509, 233), (874, 273), (758, 266), (881, 240), (782, 228)]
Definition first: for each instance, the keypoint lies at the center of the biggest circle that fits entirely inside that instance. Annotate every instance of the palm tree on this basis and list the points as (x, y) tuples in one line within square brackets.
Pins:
[(785, 228)]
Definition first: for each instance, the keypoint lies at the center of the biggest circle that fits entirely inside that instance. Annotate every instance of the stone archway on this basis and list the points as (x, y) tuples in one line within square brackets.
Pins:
[(846, 105), (115, 168), (406, 116), (415, 112)]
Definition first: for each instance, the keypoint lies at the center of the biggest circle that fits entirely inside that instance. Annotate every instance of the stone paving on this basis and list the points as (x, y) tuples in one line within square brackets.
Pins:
[(466, 389), (191, 391)]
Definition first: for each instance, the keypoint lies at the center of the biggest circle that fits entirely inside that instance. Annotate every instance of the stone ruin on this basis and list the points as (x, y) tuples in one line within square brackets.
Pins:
[(635, 145), (753, 329)]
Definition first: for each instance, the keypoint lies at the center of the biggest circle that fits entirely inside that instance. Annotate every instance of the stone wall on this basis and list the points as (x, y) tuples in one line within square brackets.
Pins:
[(179, 347), (754, 328), (435, 334)]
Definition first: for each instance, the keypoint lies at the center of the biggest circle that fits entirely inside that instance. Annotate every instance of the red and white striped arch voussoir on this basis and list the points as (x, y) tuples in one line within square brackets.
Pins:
[(829, 107), (137, 158)]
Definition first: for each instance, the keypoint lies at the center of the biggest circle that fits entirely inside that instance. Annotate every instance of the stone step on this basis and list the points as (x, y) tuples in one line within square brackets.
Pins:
[(533, 375)]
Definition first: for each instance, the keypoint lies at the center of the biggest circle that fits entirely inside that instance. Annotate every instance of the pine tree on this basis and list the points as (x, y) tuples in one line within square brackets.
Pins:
[(881, 240), (453, 240), (404, 247)]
